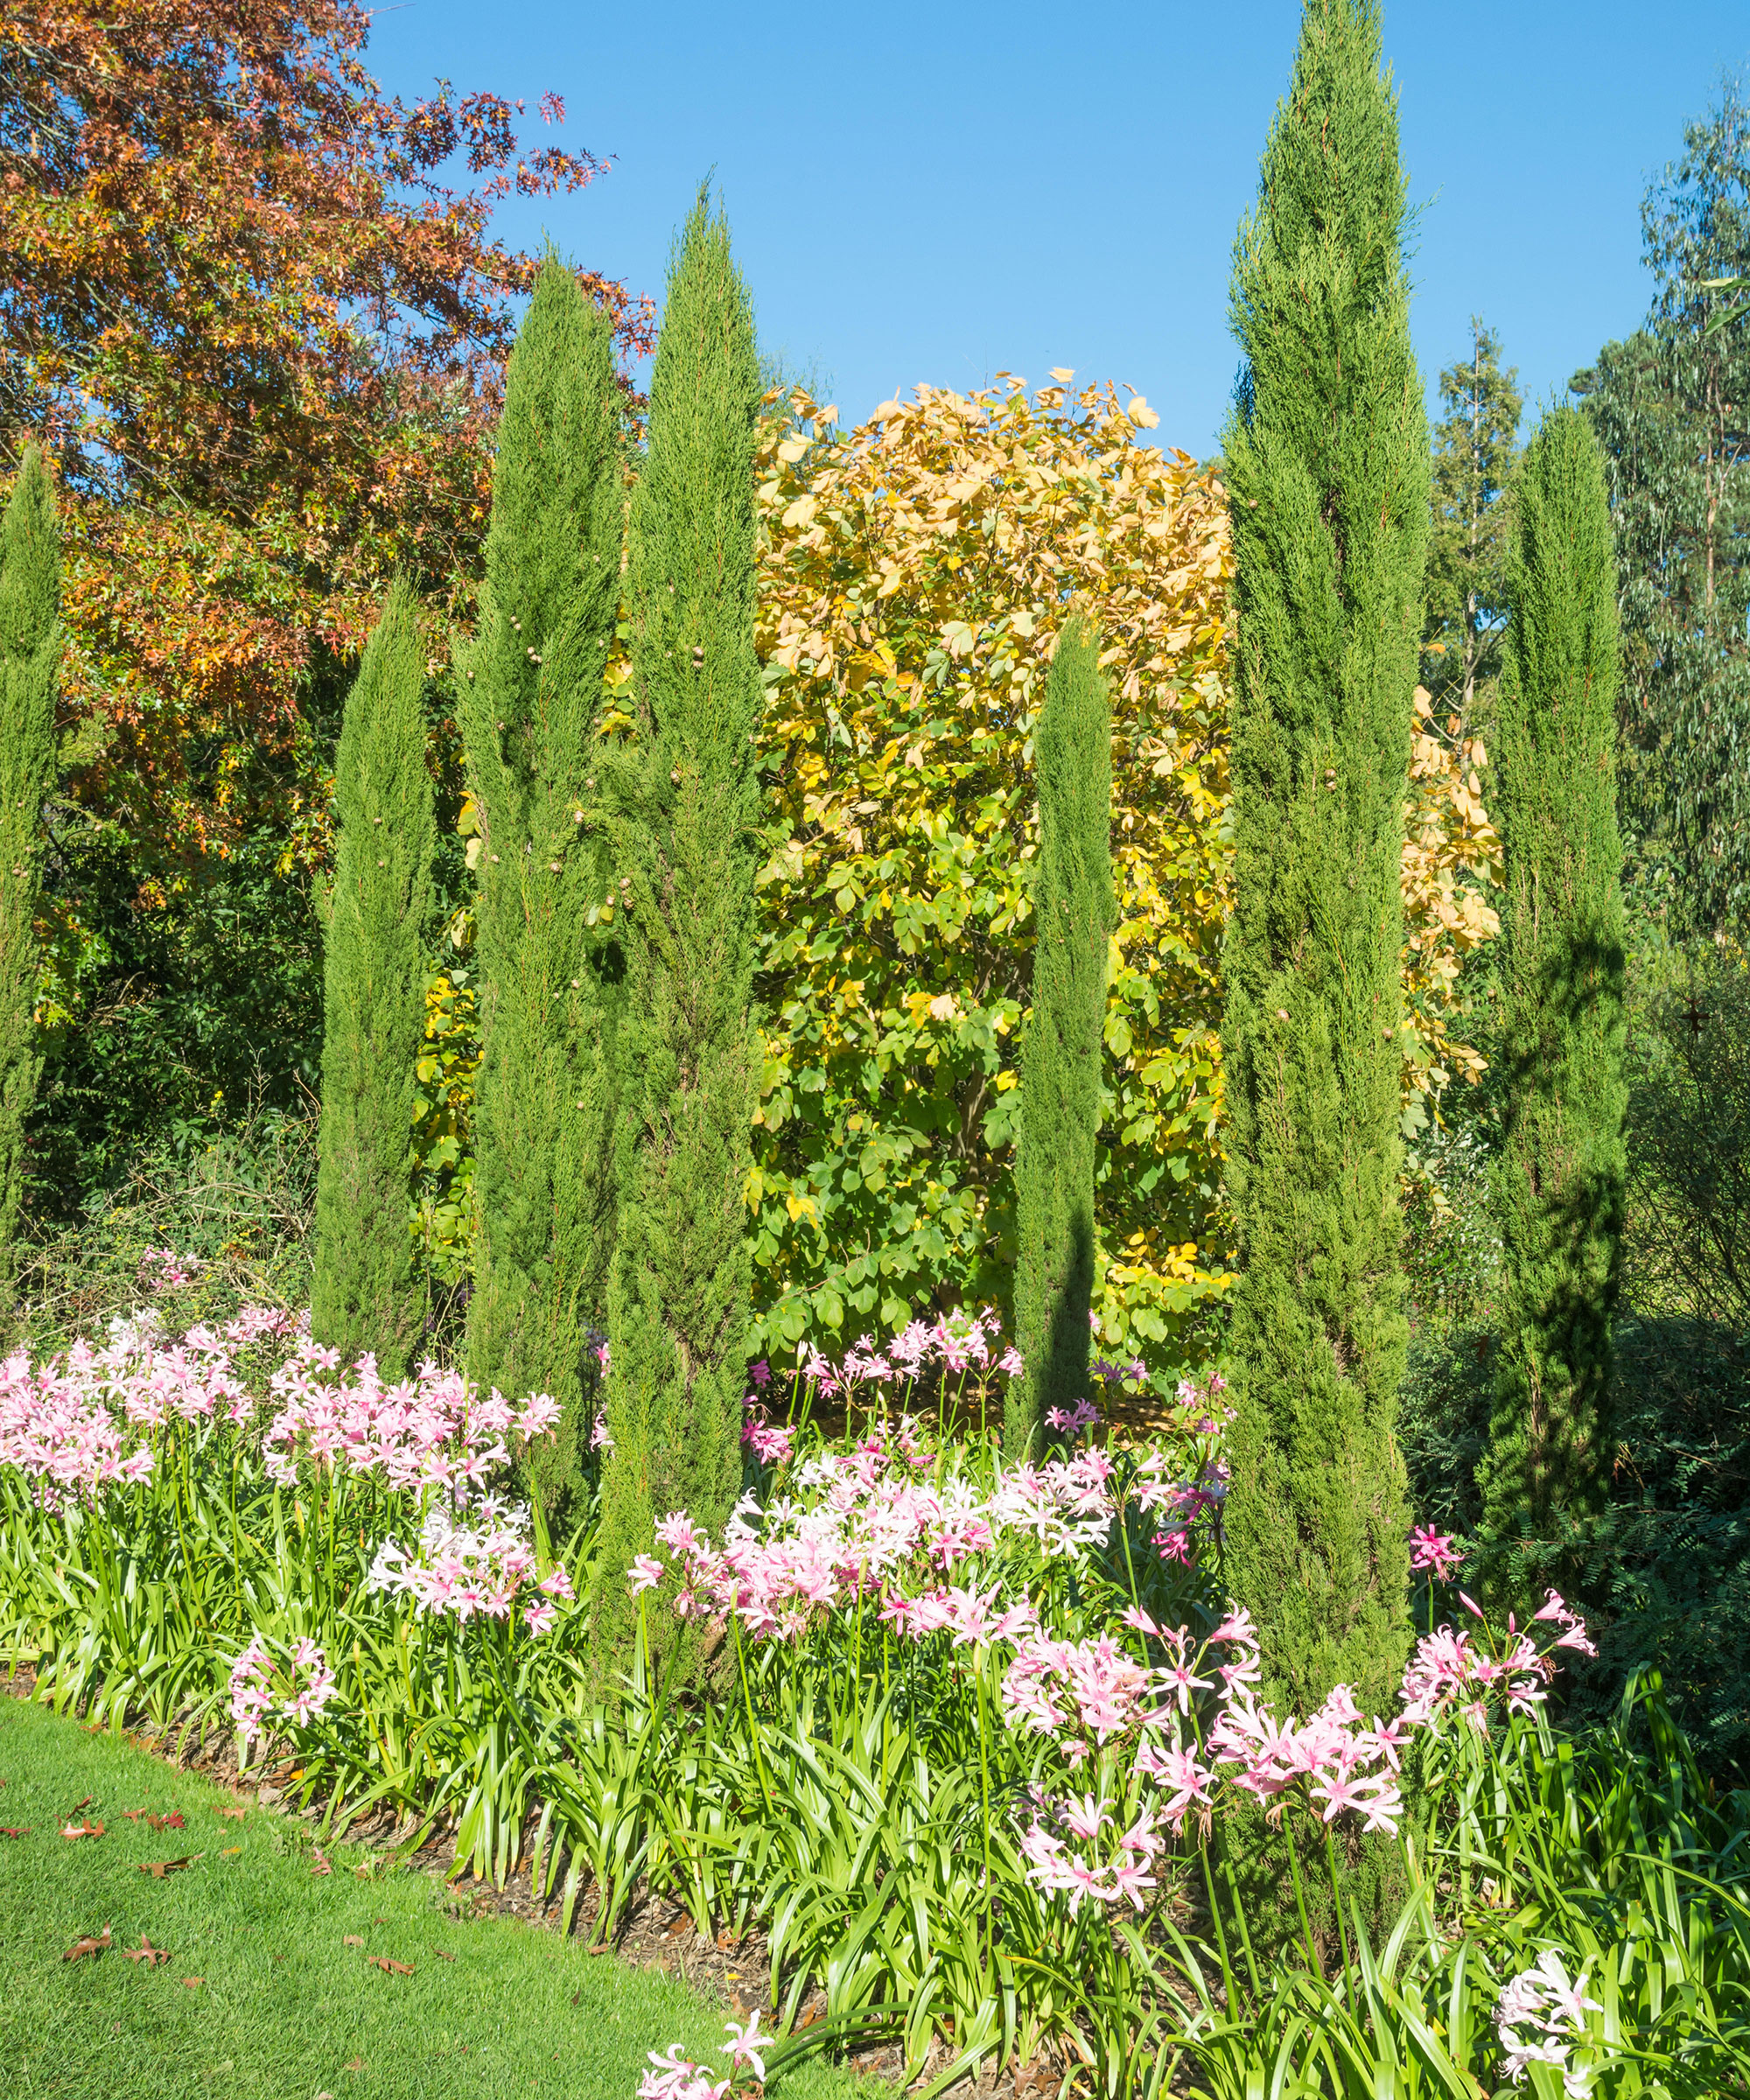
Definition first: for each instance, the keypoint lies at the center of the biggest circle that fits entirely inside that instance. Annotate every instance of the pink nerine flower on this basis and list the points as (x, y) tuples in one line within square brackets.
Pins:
[(1435, 1551)]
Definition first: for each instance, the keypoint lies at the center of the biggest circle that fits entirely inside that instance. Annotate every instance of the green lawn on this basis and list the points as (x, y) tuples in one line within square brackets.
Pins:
[(283, 2008)]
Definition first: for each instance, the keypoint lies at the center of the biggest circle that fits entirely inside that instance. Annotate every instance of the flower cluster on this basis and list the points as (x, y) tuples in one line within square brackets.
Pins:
[(957, 1344), (293, 1691), (1434, 1552), (164, 1269), (1461, 1670), (434, 1430), (676, 2077), (1056, 1862), (484, 1568), (871, 1526), (82, 1421), (1540, 2016)]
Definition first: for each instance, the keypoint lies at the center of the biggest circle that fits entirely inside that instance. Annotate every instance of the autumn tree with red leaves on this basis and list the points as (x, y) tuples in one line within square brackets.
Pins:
[(263, 335)]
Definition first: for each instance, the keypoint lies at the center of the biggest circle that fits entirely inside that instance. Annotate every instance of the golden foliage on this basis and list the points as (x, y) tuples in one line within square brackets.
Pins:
[(916, 573)]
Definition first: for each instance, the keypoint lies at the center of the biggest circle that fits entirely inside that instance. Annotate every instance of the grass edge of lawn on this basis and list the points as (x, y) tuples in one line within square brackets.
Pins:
[(250, 1890)]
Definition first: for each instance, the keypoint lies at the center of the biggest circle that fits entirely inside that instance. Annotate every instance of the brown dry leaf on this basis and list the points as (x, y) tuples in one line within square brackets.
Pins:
[(16, 1833), (82, 1829), (441, 1957), (77, 1805), (228, 1850), (92, 1943), (357, 2064), (145, 1952), (352, 1939), (232, 1815), (322, 1866), (172, 1822), (193, 1983), (388, 1968), (158, 1868), (680, 1926)]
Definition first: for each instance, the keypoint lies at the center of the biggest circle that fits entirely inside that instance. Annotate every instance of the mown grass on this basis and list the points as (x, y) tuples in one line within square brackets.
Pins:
[(283, 2009)]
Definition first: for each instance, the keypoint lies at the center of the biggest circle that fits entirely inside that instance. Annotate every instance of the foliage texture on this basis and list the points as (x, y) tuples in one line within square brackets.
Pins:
[(1561, 1167), (1668, 405), (262, 333), (367, 1292), (531, 691), (29, 669), (916, 574), (1328, 459), (1063, 1050), (1475, 446), (683, 802)]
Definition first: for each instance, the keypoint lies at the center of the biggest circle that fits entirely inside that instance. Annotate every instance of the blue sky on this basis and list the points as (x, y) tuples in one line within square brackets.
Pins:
[(941, 192)]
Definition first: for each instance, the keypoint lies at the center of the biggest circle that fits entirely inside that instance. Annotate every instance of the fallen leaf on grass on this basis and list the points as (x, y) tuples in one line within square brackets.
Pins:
[(82, 1829), (158, 1868), (232, 1815), (357, 2064), (193, 1983), (226, 1851), (92, 1943), (352, 1939), (145, 1952), (321, 1865), (77, 1805), (16, 1833), (388, 1968), (441, 1957), (172, 1822)]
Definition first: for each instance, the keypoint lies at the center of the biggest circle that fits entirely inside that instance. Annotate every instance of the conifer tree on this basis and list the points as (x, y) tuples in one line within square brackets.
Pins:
[(1476, 447), (366, 1292), (531, 691), (1327, 473), (30, 662), (686, 799), (1562, 1167), (1063, 1050)]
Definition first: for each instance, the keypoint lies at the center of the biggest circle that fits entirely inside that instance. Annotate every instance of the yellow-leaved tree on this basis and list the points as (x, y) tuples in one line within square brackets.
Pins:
[(916, 574)]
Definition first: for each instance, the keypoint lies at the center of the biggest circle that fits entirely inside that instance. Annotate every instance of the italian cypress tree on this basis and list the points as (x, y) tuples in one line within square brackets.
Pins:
[(531, 691), (1328, 471), (686, 801), (29, 664), (1560, 1174), (367, 1292), (1061, 1052)]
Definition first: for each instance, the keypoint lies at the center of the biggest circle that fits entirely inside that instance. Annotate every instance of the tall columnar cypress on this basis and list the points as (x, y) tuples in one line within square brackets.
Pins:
[(686, 798), (531, 691), (29, 664), (1328, 475), (366, 1292), (1561, 1170), (1061, 1051)]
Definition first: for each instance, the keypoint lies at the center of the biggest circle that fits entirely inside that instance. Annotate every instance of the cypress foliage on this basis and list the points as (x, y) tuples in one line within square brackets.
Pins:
[(29, 663), (686, 801), (531, 691), (1328, 475), (366, 1292), (1560, 1174), (1062, 1053)]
